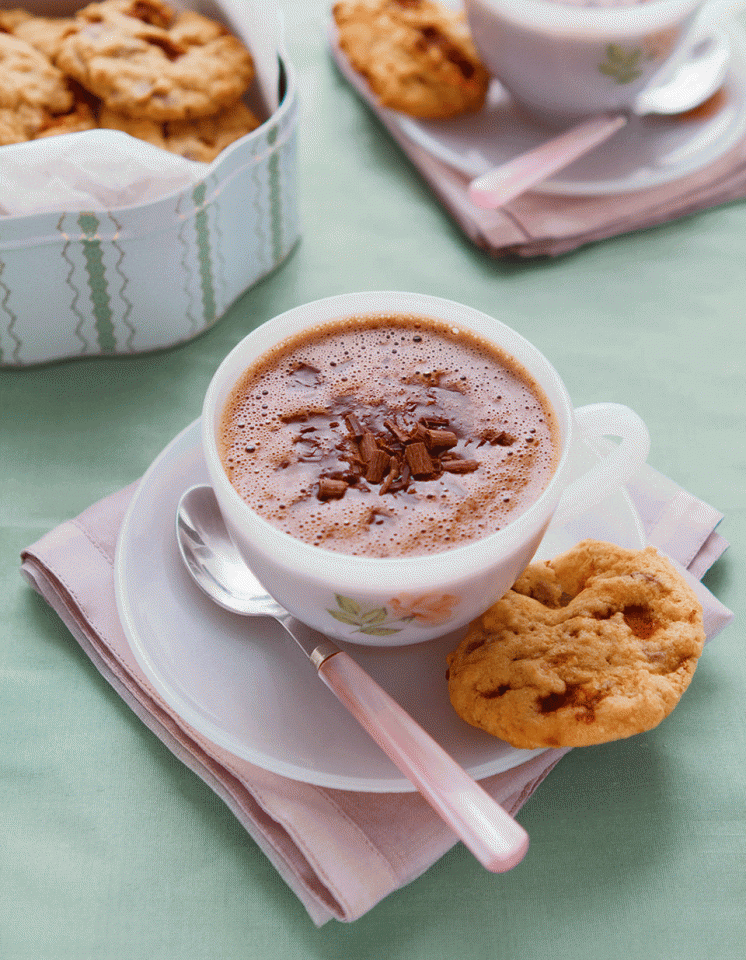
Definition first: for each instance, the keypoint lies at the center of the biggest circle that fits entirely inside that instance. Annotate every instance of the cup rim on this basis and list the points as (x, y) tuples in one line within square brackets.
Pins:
[(564, 17), (452, 564)]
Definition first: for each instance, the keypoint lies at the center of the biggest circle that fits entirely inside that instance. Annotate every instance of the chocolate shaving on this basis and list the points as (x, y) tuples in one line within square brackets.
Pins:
[(368, 446), (396, 456), (499, 439), (392, 475), (355, 463), (353, 425), (418, 459), (440, 439), (419, 433), (378, 467), (459, 466), (434, 422), (331, 489), (398, 434)]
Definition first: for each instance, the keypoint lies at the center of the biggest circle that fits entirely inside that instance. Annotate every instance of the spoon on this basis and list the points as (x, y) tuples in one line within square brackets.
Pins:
[(492, 835), (690, 85)]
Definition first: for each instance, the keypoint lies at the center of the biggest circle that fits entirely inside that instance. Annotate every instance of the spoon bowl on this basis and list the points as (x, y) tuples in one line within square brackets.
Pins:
[(493, 836), (213, 561), (692, 82)]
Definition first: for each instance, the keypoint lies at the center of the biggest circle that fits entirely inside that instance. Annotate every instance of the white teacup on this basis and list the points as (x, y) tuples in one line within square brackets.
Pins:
[(415, 597), (565, 59)]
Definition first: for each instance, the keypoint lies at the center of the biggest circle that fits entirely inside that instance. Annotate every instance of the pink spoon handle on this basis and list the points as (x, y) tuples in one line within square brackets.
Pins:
[(502, 184), (492, 835)]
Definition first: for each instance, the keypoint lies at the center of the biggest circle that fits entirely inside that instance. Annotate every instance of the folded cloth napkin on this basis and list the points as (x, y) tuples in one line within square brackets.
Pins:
[(341, 852), (539, 224)]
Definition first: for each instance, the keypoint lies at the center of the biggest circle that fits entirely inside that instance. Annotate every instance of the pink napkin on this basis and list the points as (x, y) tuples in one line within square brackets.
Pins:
[(341, 852), (537, 224)]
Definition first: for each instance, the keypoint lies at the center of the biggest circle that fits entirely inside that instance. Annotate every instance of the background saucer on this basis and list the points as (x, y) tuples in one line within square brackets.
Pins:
[(648, 152)]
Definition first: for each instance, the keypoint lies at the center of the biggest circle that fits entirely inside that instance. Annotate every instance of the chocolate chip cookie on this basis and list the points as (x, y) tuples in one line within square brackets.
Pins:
[(33, 92), (200, 139), (146, 60), (597, 644), (19, 124), (29, 79), (81, 116), (417, 56), (44, 33)]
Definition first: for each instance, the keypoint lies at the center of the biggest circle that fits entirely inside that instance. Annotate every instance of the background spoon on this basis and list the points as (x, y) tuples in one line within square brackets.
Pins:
[(692, 84), (492, 835)]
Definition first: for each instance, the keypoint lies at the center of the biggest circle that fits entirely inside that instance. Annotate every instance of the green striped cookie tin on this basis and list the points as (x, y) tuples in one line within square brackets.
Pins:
[(143, 278)]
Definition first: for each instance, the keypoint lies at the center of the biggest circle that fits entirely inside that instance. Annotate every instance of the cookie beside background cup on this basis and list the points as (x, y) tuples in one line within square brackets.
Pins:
[(314, 584), (562, 60)]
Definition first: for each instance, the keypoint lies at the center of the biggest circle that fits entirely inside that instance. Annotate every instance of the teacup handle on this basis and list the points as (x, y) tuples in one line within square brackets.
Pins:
[(619, 466), (711, 15)]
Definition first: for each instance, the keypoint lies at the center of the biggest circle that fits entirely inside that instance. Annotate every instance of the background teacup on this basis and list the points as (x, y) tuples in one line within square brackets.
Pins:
[(401, 600), (565, 59)]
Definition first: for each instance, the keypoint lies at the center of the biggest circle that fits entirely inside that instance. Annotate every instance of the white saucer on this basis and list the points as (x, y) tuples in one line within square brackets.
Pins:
[(243, 683), (648, 152)]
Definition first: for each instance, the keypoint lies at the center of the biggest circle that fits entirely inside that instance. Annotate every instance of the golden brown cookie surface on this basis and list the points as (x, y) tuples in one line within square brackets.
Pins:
[(29, 79), (417, 56), (146, 60), (200, 139), (597, 644), (19, 124), (81, 116), (36, 99), (44, 33)]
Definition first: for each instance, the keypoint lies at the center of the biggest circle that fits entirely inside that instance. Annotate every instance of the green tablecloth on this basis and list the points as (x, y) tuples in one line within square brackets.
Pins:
[(110, 848)]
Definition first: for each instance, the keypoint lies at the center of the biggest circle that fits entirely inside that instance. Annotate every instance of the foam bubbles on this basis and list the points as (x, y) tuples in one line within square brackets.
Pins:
[(284, 427)]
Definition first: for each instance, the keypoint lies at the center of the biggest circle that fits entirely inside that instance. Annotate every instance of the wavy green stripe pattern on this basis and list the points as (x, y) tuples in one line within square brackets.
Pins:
[(203, 255), (275, 205), (12, 352), (94, 265)]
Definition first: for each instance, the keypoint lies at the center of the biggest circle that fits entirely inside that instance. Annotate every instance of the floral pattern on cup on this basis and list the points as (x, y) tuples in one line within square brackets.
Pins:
[(625, 65), (424, 609), (622, 66)]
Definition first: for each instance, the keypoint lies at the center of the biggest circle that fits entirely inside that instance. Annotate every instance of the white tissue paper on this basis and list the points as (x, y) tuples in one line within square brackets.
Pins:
[(92, 170), (109, 169)]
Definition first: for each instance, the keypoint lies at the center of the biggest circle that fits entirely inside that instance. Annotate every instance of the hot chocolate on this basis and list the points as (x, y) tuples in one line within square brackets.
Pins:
[(388, 435)]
